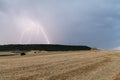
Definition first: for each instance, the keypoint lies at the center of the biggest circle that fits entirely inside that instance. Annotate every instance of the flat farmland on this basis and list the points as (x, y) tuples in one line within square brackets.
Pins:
[(71, 65)]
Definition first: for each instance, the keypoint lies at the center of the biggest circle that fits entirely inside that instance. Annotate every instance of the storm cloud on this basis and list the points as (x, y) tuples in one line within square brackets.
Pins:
[(95, 23)]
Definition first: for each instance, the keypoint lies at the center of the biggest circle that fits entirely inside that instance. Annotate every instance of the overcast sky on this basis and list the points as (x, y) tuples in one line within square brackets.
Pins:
[(95, 23)]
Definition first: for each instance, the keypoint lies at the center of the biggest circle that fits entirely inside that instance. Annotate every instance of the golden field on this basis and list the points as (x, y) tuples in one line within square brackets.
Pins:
[(77, 65)]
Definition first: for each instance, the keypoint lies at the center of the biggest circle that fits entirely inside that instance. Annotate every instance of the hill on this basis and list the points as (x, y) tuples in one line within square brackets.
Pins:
[(44, 47)]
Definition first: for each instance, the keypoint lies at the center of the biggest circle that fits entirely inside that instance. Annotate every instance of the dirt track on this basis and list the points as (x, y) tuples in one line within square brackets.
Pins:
[(84, 65)]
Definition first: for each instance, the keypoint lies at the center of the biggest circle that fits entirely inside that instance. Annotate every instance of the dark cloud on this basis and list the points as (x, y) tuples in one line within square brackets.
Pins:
[(80, 22)]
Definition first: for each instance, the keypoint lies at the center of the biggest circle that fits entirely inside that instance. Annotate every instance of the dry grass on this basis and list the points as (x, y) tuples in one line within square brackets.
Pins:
[(79, 65)]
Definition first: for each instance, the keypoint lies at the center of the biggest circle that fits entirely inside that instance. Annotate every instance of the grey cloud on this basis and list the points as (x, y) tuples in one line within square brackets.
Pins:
[(80, 22)]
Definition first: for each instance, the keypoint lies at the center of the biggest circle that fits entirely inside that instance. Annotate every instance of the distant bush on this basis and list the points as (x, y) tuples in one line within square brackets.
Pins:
[(22, 54)]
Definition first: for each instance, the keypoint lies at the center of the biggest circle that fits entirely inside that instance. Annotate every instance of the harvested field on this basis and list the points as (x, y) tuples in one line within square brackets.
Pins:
[(77, 65)]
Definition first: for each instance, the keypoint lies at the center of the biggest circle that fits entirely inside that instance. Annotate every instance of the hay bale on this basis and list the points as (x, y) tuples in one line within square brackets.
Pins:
[(43, 51), (94, 49), (22, 54)]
